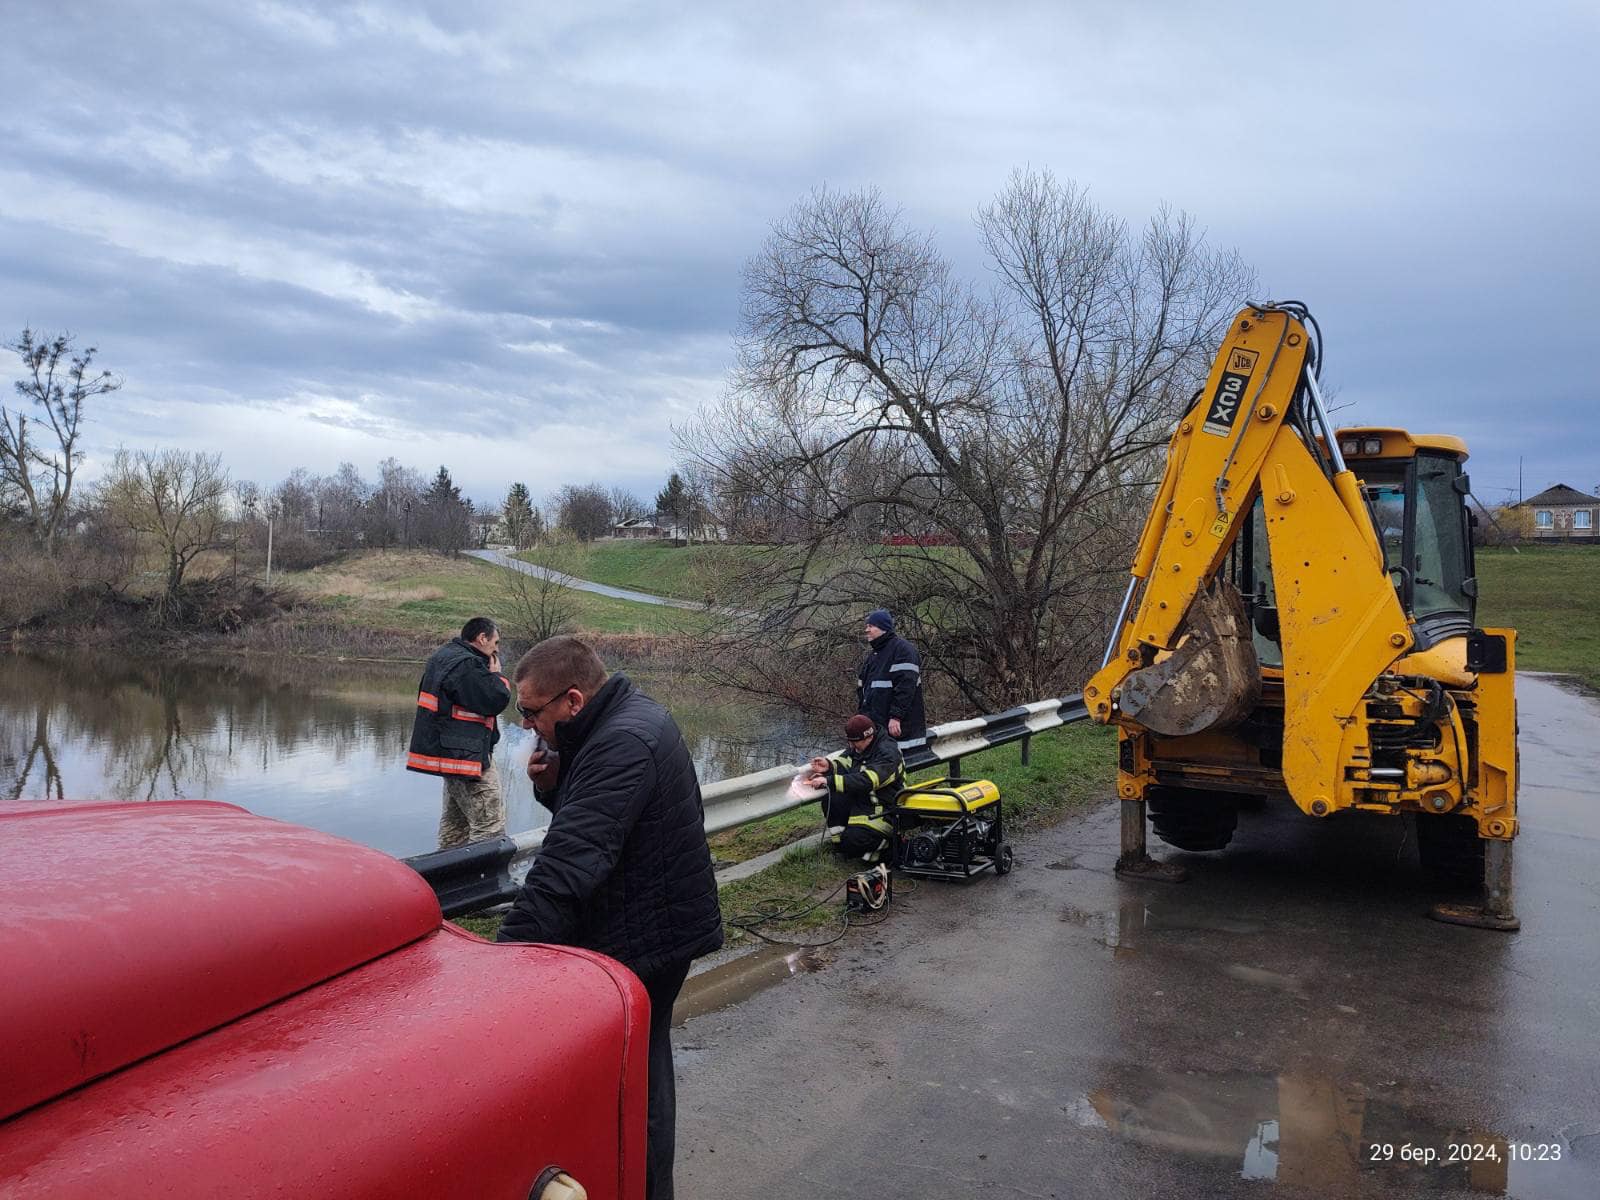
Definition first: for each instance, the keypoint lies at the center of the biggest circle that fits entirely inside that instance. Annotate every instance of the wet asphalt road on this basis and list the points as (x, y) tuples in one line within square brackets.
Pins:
[(1266, 1028)]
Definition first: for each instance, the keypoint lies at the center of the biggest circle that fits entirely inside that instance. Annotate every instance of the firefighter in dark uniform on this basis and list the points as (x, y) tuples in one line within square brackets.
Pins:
[(862, 785), (889, 684), (459, 700)]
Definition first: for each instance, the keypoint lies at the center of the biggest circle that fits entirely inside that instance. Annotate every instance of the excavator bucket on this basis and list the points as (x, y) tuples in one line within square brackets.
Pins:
[(1211, 681)]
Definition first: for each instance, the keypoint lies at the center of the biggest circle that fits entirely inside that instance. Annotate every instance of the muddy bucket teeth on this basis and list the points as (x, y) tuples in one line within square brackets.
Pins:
[(1211, 681)]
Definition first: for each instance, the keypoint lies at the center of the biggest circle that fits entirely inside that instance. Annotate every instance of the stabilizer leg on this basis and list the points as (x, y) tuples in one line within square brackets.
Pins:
[(1135, 862), (1495, 912)]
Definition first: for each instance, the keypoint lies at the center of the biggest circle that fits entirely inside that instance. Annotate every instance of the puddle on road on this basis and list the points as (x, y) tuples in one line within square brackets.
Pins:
[(742, 978), (1122, 929), (1263, 978), (1328, 1136)]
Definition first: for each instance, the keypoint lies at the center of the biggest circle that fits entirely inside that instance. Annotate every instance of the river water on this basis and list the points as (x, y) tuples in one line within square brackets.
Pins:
[(301, 740)]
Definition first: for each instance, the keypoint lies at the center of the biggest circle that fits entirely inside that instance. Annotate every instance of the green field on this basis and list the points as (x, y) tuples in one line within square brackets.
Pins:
[(421, 592), (658, 567), (697, 572), (1551, 596)]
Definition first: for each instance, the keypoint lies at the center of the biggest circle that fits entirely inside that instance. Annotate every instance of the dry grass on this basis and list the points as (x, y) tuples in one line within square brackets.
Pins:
[(425, 592), (333, 584), (390, 576)]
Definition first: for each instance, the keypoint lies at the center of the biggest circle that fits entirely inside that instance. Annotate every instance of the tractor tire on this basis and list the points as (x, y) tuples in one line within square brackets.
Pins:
[(1450, 850), (1191, 819)]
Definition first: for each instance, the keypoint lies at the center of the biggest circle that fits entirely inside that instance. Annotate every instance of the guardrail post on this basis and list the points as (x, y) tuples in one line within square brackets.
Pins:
[(955, 767), (1027, 741)]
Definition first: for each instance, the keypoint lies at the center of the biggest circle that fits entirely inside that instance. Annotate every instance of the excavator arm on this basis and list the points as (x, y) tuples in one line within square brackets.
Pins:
[(1184, 662), (1357, 731)]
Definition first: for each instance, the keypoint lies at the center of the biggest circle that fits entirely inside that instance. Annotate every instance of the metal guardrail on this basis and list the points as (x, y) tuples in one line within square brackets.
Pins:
[(482, 874)]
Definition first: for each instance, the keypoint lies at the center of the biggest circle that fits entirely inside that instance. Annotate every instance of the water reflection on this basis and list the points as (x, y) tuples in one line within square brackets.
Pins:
[(302, 740), (1324, 1135)]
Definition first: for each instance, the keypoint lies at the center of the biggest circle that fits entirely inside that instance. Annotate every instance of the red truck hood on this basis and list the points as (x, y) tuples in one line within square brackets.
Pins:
[(128, 928)]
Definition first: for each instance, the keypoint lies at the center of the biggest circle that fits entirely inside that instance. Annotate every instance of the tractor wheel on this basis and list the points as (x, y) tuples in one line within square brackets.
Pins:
[(1191, 819)]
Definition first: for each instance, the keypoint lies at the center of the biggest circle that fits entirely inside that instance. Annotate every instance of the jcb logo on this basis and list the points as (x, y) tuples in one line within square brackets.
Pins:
[(1230, 393)]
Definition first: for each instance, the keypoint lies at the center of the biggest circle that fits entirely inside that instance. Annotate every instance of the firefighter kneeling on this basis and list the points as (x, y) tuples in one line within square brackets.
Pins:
[(862, 785)]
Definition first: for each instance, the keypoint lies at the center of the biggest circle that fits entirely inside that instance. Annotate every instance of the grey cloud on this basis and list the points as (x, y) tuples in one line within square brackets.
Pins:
[(461, 215)]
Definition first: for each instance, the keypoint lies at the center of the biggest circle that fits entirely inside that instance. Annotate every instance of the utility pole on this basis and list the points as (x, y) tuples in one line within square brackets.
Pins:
[(1519, 479), (269, 547)]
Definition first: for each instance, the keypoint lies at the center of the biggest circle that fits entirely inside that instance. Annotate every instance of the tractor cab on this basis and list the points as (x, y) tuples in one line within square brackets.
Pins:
[(1417, 492)]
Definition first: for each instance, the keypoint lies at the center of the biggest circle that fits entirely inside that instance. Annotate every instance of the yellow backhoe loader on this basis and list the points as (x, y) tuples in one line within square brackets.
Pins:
[(1300, 625)]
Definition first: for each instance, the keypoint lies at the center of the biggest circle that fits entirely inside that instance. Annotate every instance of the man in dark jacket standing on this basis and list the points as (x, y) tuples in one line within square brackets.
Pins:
[(889, 684), (624, 868), (459, 701)]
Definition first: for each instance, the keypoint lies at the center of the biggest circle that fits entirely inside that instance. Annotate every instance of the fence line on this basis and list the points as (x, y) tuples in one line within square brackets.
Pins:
[(482, 874)]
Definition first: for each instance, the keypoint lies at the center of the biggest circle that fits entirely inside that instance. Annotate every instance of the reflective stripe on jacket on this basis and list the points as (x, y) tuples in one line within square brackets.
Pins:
[(458, 702), (889, 684), (869, 781)]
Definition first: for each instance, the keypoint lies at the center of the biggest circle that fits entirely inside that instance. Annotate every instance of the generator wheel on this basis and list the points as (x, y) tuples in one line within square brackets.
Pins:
[(1191, 819), (1450, 850), (1003, 859)]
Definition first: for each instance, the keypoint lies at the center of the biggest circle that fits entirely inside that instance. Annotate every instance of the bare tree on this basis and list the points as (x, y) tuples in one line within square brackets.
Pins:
[(176, 498), (36, 476), (584, 512), (537, 606), (388, 510), (976, 463), (341, 500), (625, 506)]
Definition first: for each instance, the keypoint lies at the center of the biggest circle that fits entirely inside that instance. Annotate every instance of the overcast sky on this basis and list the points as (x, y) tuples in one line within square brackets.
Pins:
[(507, 237)]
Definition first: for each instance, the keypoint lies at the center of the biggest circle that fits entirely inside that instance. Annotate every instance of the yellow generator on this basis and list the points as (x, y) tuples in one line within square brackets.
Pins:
[(950, 829)]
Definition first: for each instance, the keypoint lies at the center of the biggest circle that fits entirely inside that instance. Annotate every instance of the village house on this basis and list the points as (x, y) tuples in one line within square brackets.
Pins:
[(641, 528), (1564, 512)]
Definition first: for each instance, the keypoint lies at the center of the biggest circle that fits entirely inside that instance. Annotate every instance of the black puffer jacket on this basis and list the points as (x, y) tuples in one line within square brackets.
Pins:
[(624, 868), (890, 685)]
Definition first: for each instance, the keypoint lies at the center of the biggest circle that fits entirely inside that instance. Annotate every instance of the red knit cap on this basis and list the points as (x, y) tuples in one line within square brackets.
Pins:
[(858, 726)]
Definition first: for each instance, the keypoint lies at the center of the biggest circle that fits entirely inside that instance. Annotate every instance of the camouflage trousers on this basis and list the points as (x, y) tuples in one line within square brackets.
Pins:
[(474, 810)]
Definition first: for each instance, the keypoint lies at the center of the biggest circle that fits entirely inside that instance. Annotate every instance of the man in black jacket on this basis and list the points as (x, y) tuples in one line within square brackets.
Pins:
[(459, 702), (862, 784), (889, 684), (624, 868)]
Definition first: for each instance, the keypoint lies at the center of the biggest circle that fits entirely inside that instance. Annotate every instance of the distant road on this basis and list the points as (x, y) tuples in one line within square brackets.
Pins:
[(599, 589)]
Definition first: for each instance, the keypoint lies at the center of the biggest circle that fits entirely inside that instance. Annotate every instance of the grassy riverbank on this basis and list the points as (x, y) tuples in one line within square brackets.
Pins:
[(1069, 769), (413, 591)]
